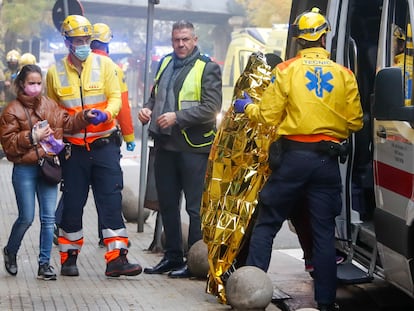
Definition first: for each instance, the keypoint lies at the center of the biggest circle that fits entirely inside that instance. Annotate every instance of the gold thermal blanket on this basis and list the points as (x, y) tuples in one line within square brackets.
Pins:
[(237, 170)]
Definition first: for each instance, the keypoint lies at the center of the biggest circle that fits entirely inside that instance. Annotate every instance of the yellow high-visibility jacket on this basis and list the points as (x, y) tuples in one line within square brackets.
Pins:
[(310, 94), (96, 87)]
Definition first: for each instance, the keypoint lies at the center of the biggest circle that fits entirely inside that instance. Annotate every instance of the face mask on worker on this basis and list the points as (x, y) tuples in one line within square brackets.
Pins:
[(12, 66), (82, 51), (33, 89)]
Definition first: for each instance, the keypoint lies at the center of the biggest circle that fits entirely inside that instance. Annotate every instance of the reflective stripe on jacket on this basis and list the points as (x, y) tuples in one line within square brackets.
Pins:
[(96, 87)]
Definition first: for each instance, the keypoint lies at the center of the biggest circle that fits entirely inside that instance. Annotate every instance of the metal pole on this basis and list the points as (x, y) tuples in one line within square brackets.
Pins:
[(65, 7), (144, 137)]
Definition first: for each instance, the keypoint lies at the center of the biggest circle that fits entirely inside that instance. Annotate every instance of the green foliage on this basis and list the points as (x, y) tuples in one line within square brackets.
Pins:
[(265, 13), (25, 17)]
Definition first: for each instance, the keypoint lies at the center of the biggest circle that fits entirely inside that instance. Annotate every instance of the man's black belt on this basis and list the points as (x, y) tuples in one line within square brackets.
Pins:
[(103, 141), (330, 148), (298, 145)]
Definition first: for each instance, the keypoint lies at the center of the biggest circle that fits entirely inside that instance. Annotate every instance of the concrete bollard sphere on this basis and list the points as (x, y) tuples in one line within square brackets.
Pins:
[(249, 288), (197, 259), (184, 234), (130, 206)]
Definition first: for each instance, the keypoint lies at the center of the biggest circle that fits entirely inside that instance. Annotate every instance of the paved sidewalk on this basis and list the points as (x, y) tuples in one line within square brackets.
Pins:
[(92, 290)]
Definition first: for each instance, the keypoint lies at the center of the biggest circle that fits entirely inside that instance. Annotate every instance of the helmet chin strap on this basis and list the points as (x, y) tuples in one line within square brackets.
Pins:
[(72, 49)]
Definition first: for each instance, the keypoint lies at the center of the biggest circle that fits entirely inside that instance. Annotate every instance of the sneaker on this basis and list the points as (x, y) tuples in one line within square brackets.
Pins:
[(121, 266), (46, 272), (69, 267), (10, 262)]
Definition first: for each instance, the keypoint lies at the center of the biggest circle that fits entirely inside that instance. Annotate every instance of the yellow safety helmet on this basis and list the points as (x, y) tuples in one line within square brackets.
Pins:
[(12, 56), (27, 59), (102, 33), (76, 26), (310, 25)]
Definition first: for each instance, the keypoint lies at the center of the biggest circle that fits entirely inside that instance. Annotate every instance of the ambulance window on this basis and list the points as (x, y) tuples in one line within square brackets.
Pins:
[(402, 46), (228, 73)]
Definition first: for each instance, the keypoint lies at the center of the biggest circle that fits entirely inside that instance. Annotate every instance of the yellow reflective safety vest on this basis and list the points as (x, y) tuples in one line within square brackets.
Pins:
[(96, 87), (190, 96)]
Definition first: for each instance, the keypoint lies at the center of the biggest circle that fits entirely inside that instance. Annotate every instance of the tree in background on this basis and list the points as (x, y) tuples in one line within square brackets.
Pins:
[(23, 20), (265, 13)]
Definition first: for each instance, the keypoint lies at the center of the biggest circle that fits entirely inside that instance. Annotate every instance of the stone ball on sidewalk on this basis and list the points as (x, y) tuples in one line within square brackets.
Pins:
[(249, 288), (184, 234), (197, 259), (130, 206)]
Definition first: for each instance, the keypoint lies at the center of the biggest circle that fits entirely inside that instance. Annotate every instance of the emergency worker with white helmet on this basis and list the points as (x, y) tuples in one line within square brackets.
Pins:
[(10, 73), (84, 80), (316, 105)]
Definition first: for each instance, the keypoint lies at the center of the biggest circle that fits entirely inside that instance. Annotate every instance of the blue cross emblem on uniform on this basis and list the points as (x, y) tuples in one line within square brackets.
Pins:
[(319, 81)]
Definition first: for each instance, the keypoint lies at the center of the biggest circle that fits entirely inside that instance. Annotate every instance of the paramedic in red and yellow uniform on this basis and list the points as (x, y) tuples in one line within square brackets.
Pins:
[(316, 105), (102, 36), (84, 80)]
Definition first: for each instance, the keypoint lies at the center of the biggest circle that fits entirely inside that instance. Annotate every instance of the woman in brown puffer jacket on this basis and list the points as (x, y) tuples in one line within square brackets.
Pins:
[(20, 139)]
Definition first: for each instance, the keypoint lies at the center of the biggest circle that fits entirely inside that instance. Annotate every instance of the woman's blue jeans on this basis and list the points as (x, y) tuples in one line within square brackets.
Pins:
[(27, 183)]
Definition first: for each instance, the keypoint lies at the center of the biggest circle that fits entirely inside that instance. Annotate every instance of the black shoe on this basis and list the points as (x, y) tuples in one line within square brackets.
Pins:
[(165, 265), (329, 307), (69, 267), (181, 273), (10, 262), (121, 266), (46, 272)]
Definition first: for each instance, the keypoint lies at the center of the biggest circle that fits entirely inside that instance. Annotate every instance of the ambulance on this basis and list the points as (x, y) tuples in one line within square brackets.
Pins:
[(376, 227), (244, 42)]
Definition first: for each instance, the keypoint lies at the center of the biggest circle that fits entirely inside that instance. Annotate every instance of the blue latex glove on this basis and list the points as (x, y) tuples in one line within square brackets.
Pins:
[(99, 117), (241, 103), (130, 146)]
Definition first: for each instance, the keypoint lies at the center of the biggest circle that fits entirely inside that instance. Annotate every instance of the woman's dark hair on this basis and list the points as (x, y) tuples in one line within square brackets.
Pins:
[(21, 76)]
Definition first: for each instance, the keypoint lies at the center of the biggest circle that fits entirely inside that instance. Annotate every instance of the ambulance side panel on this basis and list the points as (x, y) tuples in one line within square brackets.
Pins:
[(375, 229)]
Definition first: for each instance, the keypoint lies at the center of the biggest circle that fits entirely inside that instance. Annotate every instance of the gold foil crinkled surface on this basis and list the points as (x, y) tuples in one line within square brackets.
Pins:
[(237, 170)]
